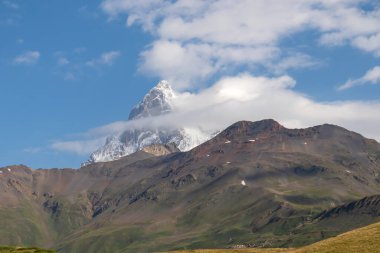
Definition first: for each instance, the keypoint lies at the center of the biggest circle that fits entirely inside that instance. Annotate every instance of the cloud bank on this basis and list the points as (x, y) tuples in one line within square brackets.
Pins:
[(195, 40), (243, 97)]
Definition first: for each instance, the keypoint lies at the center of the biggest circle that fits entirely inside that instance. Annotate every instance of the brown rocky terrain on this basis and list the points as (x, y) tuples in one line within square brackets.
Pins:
[(160, 150)]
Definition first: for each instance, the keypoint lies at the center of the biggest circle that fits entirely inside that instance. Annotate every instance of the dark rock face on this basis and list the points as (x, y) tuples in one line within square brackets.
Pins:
[(309, 171), (366, 206), (53, 207), (183, 181)]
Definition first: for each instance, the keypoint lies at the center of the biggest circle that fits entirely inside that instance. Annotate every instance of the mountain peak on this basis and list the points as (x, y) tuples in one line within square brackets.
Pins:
[(251, 128), (163, 85), (267, 125), (156, 102)]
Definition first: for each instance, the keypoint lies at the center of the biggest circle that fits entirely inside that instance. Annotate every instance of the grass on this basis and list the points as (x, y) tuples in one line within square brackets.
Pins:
[(23, 226), (10, 249), (366, 239)]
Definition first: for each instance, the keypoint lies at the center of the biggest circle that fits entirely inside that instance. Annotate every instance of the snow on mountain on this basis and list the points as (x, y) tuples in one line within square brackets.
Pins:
[(158, 101)]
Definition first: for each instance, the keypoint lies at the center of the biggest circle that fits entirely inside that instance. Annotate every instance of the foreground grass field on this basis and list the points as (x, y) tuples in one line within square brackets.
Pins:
[(9, 249), (364, 240)]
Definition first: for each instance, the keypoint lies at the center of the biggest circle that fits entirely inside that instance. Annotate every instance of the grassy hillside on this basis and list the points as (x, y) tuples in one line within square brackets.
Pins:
[(366, 239), (23, 225), (9, 249)]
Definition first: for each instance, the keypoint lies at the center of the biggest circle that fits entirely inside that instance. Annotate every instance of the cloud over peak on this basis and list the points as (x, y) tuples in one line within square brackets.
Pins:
[(242, 97)]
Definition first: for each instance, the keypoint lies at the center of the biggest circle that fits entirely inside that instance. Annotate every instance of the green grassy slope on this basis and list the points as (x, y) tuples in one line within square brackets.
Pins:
[(10, 249), (25, 225), (366, 239)]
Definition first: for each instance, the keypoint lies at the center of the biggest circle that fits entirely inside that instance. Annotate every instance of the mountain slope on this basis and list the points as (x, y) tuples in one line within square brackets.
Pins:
[(366, 239), (254, 183), (10, 249), (343, 218), (158, 101)]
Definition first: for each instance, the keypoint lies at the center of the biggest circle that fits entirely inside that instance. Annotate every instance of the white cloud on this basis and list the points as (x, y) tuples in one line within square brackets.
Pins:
[(61, 61), (76, 65), (88, 12), (215, 35), (11, 4), (107, 58), (177, 62), (351, 24), (294, 60), (7, 22), (78, 147), (244, 98), (369, 43), (372, 76), (32, 150), (27, 58), (69, 76)]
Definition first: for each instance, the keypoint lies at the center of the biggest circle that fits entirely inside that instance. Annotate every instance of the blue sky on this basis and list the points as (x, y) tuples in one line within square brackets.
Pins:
[(38, 104), (67, 67)]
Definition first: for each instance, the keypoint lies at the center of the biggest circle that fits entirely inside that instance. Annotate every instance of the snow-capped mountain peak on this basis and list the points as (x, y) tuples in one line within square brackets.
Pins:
[(163, 85), (158, 101)]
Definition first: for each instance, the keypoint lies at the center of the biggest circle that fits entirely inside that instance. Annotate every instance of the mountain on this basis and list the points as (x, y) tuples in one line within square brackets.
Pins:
[(255, 183), (158, 101)]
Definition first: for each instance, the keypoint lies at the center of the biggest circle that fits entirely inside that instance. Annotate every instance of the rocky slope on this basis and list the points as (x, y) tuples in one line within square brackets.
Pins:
[(158, 101), (367, 206), (255, 183), (160, 150)]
